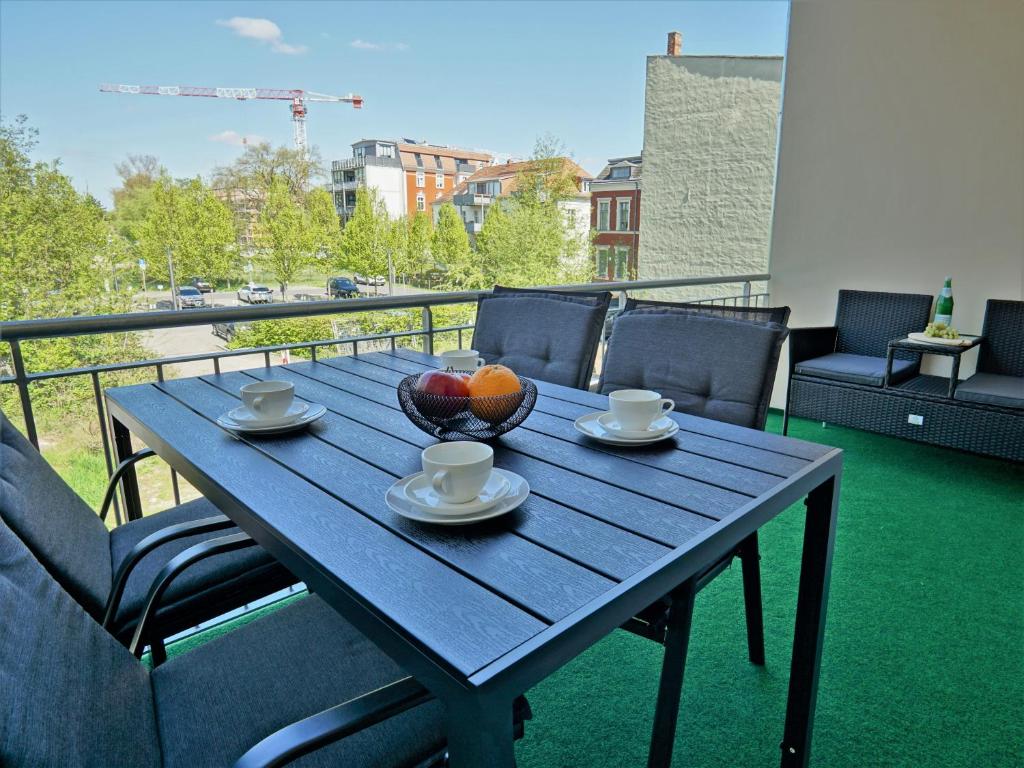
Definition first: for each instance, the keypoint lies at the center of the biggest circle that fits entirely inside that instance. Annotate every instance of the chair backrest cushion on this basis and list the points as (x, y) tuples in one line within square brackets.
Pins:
[(60, 529), (869, 320), (711, 367), (777, 315), (1002, 352), (549, 337), (589, 298), (70, 694)]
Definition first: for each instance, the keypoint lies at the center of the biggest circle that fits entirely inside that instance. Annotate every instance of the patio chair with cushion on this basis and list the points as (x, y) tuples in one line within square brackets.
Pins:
[(718, 369), (1000, 373), (853, 351), (778, 315), (543, 335), (109, 572), (264, 694)]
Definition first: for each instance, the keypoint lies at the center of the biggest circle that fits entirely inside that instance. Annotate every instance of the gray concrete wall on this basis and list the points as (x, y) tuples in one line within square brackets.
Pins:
[(710, 128)]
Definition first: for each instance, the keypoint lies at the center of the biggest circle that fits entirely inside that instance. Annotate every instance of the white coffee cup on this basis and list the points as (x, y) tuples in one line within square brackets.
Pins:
[(461, 360), (459, 470), (269, 399), (638, 408)]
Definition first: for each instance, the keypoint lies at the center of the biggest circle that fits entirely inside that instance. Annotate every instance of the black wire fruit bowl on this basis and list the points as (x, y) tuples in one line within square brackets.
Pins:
[(466, 418)]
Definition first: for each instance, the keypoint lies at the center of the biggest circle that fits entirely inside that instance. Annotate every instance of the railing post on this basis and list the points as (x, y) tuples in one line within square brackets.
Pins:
[(21, 380), (428, 331), (746, 294)]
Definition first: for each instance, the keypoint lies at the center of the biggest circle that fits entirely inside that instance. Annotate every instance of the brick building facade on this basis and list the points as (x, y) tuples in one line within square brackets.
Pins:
[(615, 218)]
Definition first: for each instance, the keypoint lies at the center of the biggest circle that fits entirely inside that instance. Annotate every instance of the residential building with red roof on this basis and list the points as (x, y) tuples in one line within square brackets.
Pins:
[(615, 217)]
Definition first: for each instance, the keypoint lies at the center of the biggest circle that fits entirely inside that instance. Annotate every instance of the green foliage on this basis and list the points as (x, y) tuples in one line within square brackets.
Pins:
[(58, 257), (449, 247), (185, 219), (324, 227), (416, 257), (284, 235), (295, 330), (247, 181)]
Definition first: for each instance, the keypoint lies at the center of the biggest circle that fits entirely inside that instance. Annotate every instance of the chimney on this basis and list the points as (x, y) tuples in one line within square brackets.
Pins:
[(675, 43)]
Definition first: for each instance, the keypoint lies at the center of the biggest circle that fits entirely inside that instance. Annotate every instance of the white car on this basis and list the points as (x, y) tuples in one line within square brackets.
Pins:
[(255, 294)]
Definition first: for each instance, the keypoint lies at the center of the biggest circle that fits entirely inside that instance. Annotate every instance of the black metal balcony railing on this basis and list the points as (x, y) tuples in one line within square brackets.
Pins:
[(18, 331)]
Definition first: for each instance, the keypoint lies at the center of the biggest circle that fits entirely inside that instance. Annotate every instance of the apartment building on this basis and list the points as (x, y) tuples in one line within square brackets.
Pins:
[(615, 218), (478, 192), (408, 175)]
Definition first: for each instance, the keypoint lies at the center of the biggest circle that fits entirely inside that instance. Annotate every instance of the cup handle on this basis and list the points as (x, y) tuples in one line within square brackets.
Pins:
[(480, 362), (256, 403), (437, 481), (667, 405)]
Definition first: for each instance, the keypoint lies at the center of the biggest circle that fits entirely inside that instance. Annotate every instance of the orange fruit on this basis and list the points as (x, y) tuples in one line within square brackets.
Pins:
[(490, 381), (493, 380)]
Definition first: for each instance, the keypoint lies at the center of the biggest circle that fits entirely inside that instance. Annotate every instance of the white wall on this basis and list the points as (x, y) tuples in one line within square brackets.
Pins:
[(388, 182), (710, 134), (901, 157)]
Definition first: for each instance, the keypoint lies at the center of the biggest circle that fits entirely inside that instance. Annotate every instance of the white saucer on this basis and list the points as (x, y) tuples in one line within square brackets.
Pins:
[(421, 494), (591, 427), (313, 413), (396, 499), (242, 415), (657, 428)]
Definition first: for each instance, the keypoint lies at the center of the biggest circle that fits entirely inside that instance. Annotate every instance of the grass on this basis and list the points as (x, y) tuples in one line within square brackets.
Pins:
[(924, 654)]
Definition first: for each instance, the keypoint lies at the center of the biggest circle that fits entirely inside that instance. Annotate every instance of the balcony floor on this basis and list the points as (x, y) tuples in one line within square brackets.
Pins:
[(924, 657)]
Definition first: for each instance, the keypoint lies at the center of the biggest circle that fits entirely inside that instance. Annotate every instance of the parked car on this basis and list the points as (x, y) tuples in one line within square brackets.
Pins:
[(361, 279), (227, 331), (190, 298), (342, 288), (201, 285), (255, 294)]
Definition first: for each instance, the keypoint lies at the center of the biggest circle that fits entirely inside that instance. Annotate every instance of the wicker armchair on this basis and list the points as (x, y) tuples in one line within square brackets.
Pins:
[(999, 379), (853, 351)]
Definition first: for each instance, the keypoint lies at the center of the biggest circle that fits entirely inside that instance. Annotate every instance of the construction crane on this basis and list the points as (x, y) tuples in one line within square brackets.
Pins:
[(297, 97)]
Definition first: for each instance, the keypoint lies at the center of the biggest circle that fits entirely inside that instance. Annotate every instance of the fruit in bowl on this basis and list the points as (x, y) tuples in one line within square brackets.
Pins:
[(941, 331), (441, 394), (489, 383)]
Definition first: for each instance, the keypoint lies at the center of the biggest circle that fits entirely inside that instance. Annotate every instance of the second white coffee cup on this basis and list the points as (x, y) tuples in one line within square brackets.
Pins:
[(459, 470), (461, 360), (638, 408), (269, 399)]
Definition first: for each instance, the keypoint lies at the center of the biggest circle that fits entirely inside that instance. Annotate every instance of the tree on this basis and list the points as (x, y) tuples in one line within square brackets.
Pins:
[(324, 227), (249, 178), (284, 235), (186, 222), (368, 237), (416, 257), (449, 246)]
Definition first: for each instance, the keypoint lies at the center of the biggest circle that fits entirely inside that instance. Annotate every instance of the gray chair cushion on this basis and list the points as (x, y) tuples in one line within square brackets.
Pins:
[(59, 528), (992, 389), (549, 337), (711, 367), (216, 701), (778, 315), (855, 369), (205, 589), (70, 695)]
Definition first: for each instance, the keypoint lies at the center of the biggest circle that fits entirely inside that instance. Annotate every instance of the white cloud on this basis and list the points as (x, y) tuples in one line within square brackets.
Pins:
[(365, 45), (236, 139), (263, 30)]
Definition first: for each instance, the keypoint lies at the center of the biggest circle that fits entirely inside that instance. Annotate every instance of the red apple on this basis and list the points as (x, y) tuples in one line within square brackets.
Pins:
[(443, 383), (441, 395)]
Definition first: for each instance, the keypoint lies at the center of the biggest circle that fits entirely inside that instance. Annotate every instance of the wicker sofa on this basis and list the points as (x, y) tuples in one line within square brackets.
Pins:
[(837, 375)]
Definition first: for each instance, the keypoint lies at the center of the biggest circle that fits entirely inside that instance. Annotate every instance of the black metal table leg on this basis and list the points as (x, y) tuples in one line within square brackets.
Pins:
[(954, 374), (815, 568), (670, 687), (129, 480), (480, 732), (750, 556)]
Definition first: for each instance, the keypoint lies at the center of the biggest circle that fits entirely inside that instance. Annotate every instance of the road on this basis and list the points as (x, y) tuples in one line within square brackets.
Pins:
[(197, 339)]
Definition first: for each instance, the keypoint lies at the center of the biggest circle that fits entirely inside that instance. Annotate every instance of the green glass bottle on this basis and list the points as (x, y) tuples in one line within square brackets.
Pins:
[(944, 304)]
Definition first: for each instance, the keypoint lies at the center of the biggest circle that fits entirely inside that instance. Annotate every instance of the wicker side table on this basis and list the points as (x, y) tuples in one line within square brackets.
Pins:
[(948, 350)]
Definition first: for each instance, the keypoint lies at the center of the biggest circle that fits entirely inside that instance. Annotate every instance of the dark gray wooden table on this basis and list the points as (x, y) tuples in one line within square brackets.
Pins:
[(481, 614)]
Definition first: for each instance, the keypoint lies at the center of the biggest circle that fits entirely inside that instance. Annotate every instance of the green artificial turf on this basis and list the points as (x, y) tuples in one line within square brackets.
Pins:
[(924, 653)]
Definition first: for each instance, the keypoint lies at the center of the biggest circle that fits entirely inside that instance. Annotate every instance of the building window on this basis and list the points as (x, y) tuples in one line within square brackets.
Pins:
[(420, 179), (421, 202), (439, 180), (419, 159), (602, 262), (621, 172), (386, 150), (437, 162), (623, 218), (621, 262), (603, 207)]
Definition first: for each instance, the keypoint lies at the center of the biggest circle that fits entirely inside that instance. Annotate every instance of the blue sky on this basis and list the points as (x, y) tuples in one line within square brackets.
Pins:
[(474, 74)]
